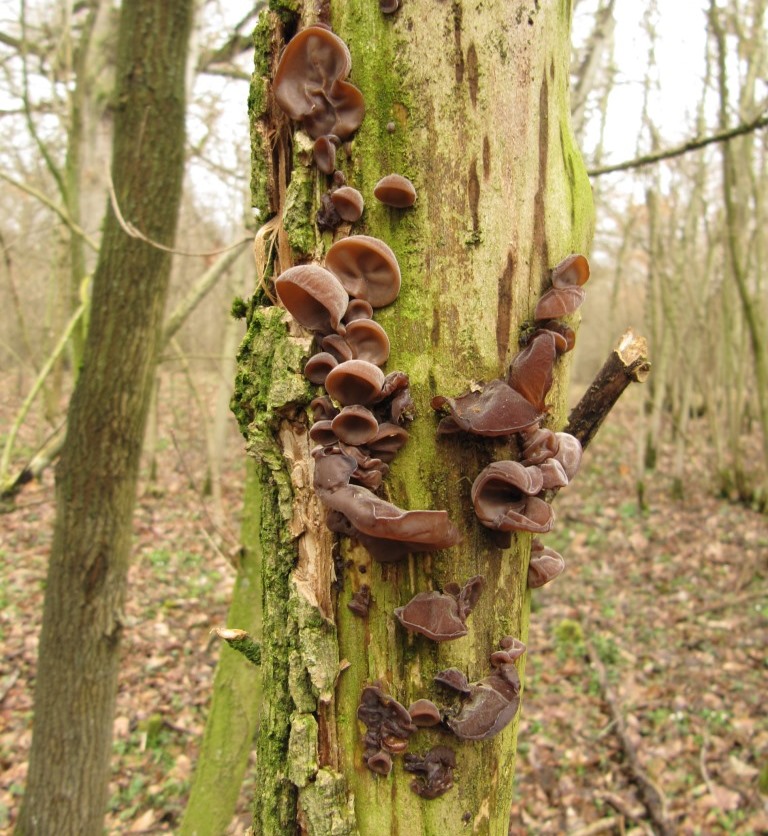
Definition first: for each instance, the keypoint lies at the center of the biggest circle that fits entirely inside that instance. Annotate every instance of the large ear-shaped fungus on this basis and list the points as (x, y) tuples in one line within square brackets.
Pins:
[(368, 341), (354, 382), (492, 702), (504, 498), (313, 296), (388, 532), (395, 190), (355, 425), (309, 84), (366, 267), (434, 771), (530, 373), (546, 564), (495, 409), (571, 271), (441, 616), (559, 301), (388, 723)]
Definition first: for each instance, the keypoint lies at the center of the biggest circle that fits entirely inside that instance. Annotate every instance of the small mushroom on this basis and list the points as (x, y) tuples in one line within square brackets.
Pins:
[(424, 714), (388, 440), (454, 679), (348, 202), (530, 373), (368, 341), (396, 390), (322, 408), (388, 723), (546, 564), (366, 267), (388, 7), (358, 309), (538, 445), (321, 432), (441, 616), (434, 771), (354, 382), (565, 336), (355, 425), (571, 271), (379, 762), (324, 152), (308, 84), (361, 601), (494, 409), (559, 301), (318, 366), (504, 498), (395, 190), (313, 296), (569, 452), (337, 346)]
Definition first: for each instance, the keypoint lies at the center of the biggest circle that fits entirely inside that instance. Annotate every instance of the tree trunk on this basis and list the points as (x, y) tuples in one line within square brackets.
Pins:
[(96, 476), (472, 105)]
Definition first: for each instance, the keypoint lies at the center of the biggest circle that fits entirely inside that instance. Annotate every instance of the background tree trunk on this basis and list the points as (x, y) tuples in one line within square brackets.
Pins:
[(478, 99), (96, 476)]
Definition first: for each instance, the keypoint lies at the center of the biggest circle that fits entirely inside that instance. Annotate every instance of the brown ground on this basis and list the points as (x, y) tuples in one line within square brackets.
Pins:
[(669, 600)]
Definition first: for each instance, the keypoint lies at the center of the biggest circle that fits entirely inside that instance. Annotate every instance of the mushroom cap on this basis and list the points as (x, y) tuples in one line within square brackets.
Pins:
[(322, 408), (569, 453), (324, 152), (503, 496), (454, 679), (539, 444), (321, 432), (389, 7), (337, 346), (492, 704), (366, 267), (559, 301), (434, 615), (388, 440), (434, 771), (309, 86), (317, 367), (354, 382), (395, 190), (368, 341), (531, 370), (355, 425), (545, 565), (388, 722), (313, 296), (424, 713), (348, 202), (495, 409), (358, 309), (573, 270), (379, 762)]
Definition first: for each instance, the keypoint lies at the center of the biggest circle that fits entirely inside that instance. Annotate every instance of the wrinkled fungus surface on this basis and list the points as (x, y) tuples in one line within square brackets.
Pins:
[(494, 409), (434, 771), (504, 498), (441, 616)]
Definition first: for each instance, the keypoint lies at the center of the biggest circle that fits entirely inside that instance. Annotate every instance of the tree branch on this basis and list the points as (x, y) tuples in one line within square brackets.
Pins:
[(691, 145)]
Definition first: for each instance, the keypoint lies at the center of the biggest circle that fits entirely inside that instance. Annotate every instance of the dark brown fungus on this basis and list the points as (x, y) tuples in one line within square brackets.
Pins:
[(389, 7), (565, 336), (324, 151), (434, 771), (454, 679), (361, 601), (492, 702), (513, 646), (494, 409), (349, 203), (322, 408), (530, 373), (314, 297), (317, 367), (538, 445), (368, 341), (569, 452), (355, 425), (424, 714), (379, 762), (388, 440), (358, 309), (321, 432), (397, 390), (504, 498), (354, 381), (557, 302), (571, 271), (337, 346), (366, 267), (388, 532), (395, 190), (309, 84), (546, 564), (441, 616), (327, 218), (554, 474), (388, 723)]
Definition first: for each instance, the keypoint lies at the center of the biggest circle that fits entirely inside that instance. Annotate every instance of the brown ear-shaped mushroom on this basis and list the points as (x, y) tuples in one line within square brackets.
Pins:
[(454, 679), (349, 203), (395, 190), (389, 7), (504, 498), (554, 474), (546, 564), (396, 390), (388, 723), (388, 532), (317, 367), (355, 425), (387, 442), (324, 151), (496, 409), (559, 301), (569, 452), (571, 271), (379, 762), (354, 381), (530, 373), (368, 341), (314, 297), (323, 408), (366, 267), (358, 309), (538, 445), (337, 346), (321, 432), (424, 714), (441, 616), (565, 336), (434, 771), (308, 84)]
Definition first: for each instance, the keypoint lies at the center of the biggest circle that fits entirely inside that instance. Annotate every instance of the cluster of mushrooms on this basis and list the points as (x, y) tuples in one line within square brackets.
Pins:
[(359, 425)]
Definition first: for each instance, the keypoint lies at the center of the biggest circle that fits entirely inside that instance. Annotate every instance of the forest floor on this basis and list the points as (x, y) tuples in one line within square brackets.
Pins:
[(646, 670)]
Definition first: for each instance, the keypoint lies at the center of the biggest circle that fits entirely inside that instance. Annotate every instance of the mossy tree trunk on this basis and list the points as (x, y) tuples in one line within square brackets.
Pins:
[(471, 103), (96, 477)]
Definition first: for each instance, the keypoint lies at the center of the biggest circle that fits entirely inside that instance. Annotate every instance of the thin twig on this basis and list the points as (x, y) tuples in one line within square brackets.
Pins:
[(677, 151)]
